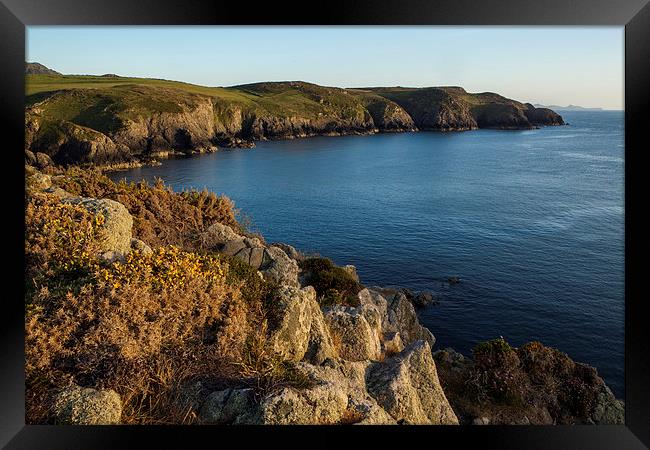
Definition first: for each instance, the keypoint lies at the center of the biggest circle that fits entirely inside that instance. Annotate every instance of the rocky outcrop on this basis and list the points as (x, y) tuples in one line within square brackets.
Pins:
[(397, 315), (407, 387), (324, 404), (115, 231), (229, 406), (291, 251), (388, 115), (84, 145), (402, 389), (320, 346), (542, 116), (271, 261), (294, 311), (355, 338), (187, 126), (85, 406)]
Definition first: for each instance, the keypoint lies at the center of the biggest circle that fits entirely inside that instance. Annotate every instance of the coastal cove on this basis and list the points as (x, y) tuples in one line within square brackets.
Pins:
[(531, 221)]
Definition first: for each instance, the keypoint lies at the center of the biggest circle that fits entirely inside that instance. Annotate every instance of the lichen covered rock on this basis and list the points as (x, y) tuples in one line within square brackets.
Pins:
[(293, 320), (229, 406), (115, 232), (85, 406), (355, 338), (407, 387)]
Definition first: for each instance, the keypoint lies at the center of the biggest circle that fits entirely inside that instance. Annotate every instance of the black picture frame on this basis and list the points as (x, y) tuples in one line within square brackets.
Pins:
[(15, 15)]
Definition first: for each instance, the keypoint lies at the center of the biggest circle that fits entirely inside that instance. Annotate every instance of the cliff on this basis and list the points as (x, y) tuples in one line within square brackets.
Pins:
[(98, 119), (145, 306)]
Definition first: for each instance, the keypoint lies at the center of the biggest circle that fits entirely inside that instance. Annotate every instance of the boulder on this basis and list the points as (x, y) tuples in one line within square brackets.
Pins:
[(374, 298), (218, 234), (115, 232), (289, 250), (320, 346), (277, 266), (271, 261), (422, 299), (407, 387), (231, 248), (137, 244), (60, 193), (397, 314), (229, 406), (43, 160), (456, 362), (403, 318), (608, 410), (30, 158), (85, 406), (355, 338), (293, 314), (189, 396), (338, 396), (323, 404), (39, 181)]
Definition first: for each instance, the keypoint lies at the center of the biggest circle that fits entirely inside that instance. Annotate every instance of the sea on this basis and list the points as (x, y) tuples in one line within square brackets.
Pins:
[(530, 221)]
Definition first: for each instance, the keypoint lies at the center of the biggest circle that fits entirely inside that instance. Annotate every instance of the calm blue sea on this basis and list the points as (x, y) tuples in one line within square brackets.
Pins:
[(531, 221)]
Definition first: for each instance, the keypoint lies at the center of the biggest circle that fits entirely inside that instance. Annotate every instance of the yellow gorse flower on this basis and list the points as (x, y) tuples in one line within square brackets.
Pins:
[(166, 268)]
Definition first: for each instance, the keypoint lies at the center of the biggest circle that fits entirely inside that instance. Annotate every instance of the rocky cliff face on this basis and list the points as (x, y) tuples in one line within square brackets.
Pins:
[(138, 121)]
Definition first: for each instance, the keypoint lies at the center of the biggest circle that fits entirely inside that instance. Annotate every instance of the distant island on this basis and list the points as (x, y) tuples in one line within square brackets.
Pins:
[(567, 108), (110, 119)]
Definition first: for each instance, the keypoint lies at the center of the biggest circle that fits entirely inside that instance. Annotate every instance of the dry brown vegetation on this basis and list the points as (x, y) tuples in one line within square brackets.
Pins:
[(150, 325), (160, 216), (507, 383)]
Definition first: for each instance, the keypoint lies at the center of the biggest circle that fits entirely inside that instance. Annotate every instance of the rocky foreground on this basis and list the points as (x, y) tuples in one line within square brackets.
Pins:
[(345, 356), (110, 119)]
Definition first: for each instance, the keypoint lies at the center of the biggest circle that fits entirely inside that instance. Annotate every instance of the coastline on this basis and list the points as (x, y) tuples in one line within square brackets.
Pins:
[(156, 158), (378, 330)]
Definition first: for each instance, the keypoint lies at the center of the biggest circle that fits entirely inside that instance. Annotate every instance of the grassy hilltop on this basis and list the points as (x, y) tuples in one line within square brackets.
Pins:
[(98, 119)]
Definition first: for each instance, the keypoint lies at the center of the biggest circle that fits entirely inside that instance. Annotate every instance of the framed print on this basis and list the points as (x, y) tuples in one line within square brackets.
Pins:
[(268, 222)]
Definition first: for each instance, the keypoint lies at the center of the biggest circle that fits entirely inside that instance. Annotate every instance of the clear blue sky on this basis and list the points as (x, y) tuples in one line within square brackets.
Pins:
[(550, 65)]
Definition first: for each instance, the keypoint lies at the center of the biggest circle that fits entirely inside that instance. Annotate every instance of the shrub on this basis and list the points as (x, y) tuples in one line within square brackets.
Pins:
[(160, 216), (60, 243), (143, 326), (333, 284), (497, 373)]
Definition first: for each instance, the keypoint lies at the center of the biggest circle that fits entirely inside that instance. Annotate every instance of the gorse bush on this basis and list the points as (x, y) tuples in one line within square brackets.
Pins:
[(149, 324), (160, 216), (333, 284), (165, 268), (60, 243)]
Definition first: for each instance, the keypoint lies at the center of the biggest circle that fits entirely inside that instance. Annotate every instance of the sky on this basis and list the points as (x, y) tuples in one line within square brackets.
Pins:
[(548, 65)]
